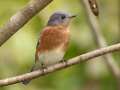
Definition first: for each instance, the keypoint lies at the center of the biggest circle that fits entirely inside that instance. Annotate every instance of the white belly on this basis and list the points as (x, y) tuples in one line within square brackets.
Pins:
[(51, 57)]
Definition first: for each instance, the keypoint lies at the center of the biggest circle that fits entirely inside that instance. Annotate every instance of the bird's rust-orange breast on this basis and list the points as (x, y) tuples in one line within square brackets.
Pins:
[(53, 37)]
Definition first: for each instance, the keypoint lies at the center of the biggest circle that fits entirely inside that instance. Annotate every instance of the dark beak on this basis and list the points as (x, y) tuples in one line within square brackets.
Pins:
[(73, 16)]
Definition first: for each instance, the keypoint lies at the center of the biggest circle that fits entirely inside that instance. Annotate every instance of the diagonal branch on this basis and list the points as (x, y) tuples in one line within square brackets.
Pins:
[(100, 41), (62, 65), (21, 18)]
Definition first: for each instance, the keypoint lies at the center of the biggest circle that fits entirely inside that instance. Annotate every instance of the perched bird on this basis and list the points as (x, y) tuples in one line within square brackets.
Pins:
[(53, 41)]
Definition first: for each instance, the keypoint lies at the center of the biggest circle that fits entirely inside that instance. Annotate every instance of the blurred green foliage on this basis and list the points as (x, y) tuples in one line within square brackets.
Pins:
[(17, 54)]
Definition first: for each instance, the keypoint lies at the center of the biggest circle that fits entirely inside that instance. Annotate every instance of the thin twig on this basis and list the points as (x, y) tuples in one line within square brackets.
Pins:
[(100, 41), (21, 18), (62, 65)]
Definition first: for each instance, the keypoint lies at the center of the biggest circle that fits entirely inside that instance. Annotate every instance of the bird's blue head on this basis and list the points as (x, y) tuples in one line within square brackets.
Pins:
[(60, 18)]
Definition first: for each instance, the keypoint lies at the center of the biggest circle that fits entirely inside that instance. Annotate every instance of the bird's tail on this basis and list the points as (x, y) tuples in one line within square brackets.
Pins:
[(25, 82)]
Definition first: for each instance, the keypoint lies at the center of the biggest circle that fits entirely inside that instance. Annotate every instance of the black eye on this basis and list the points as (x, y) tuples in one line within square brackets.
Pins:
[(63, 17)]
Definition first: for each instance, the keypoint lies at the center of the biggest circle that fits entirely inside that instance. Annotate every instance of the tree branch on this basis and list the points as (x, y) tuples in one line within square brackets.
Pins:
[(100, 41), (21, 18), (62, 65)]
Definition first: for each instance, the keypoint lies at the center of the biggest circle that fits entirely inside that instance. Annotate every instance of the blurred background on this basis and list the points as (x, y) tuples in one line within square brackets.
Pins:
[(17, 54)]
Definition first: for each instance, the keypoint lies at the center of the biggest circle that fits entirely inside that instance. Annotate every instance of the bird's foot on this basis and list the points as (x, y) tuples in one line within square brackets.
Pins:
[(43, 67), (63, 61)]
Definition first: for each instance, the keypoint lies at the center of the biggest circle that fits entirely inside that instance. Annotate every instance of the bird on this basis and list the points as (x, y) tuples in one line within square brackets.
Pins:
[(53, 41)]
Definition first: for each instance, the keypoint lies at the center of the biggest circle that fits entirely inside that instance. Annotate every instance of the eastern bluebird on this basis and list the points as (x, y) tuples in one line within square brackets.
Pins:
[(53, 41)]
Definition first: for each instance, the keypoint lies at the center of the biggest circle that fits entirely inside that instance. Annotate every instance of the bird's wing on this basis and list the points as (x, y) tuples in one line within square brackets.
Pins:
[(38, 45)]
